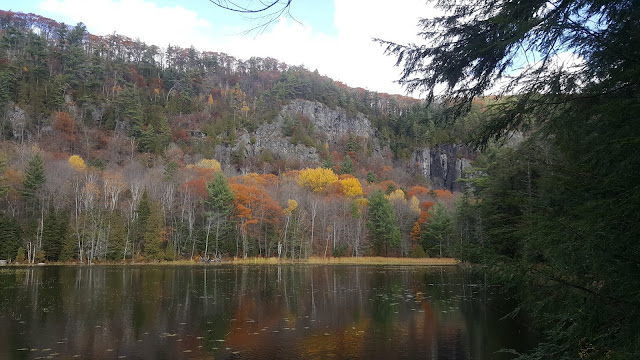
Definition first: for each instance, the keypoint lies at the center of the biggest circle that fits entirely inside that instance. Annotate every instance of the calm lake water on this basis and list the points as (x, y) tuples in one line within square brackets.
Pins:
[(251, 312)]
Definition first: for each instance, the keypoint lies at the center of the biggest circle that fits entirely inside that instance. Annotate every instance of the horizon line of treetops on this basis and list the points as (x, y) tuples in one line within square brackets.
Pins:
[(64, 210)]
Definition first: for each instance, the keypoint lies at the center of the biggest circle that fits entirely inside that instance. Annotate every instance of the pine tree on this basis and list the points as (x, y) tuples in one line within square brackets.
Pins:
[(4, 188), (347, 166), (34, 179), (220, 203), (438, 231), (52, 236), (384, 233), (10, 237), (154, 234), (143, 212), (117, 237), (327, 163), (69, 250), (146, 142)]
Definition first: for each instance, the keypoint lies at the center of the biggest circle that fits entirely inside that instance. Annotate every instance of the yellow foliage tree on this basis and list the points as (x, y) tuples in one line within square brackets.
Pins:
[(316, 179), (362, 202), (210, 100), (351, 187), (77, 163), (212, 164), (414, 204), (292, 206), (397, 195)]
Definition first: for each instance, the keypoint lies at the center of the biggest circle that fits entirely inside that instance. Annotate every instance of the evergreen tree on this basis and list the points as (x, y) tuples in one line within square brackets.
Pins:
[(4, 188), (560, 212), (146, 142), (154, 234), (438, 231), (347, 166), (117, 237), (371, 177), (34, 179), (220, 204), (327, 163), (10, 237), (142, 216), (53, 234), (383, 231), (69, 251)]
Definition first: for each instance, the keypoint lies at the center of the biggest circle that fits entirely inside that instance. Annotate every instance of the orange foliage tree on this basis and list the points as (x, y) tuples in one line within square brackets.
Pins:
[(63, 122), (258, 217), (416, 191)]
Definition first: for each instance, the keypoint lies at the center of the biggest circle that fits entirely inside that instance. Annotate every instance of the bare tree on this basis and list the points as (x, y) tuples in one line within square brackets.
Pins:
[(263, 13)]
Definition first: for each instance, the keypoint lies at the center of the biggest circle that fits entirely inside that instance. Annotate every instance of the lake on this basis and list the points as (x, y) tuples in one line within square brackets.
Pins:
[(253, 312)]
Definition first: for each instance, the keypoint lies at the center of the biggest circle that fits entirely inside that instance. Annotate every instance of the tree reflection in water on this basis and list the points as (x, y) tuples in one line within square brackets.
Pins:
[(283, 312)]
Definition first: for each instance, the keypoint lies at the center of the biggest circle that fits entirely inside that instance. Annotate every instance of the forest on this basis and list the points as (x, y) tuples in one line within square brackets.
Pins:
[(109, 155), (101, 163)]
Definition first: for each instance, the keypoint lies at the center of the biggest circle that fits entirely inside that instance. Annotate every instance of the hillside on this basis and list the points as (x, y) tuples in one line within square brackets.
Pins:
[(91, 123)]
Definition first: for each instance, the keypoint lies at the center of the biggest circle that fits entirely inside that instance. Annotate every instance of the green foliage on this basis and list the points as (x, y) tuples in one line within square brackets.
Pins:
[(438, 231), (220, 195), (371, 177), (97, 163), (300, 129), (140, 225), (347, 166), (383, 231), (340, 251), (266, 156), (417, 252), (55, 230), (153, 236), (10, 238), (117, 236), (20, 257), (557, 215), (69, 250), (327, 163), (34, 180), (4, 188), (171, 170)]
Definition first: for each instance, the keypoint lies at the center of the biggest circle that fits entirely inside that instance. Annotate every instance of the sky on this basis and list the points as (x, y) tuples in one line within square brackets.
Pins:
[(332, 36)]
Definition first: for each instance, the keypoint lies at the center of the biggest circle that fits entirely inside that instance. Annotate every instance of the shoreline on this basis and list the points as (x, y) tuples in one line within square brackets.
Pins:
[(368, 260)]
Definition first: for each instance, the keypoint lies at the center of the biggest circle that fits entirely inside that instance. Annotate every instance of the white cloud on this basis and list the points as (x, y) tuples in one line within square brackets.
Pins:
[(135, 18), (350, 56)]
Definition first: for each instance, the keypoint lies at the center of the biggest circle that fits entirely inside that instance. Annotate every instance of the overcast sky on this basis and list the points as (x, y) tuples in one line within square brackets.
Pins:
[(333, 36)]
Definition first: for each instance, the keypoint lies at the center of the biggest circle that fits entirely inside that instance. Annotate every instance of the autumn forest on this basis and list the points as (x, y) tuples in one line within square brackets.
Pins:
[(109, 153), (525, 167)]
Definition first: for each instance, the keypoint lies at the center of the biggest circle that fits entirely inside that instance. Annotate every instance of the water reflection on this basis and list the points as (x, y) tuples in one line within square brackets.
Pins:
[(228, 312)]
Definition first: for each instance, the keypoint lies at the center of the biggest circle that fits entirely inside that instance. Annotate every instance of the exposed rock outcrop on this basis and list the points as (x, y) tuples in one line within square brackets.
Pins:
[(443, 164), (335, 124), (328, 124)]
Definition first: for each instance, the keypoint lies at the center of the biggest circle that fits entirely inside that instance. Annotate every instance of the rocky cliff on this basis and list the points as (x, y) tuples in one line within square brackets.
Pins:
[(329, 126), (441, 164)]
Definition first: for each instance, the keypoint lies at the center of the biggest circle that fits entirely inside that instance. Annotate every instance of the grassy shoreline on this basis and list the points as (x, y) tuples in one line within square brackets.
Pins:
[(366, 260)]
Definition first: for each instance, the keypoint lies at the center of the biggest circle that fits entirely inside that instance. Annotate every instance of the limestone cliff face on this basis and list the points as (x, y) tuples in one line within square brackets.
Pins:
[(442, 164), (329, 125), (335, 124)]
